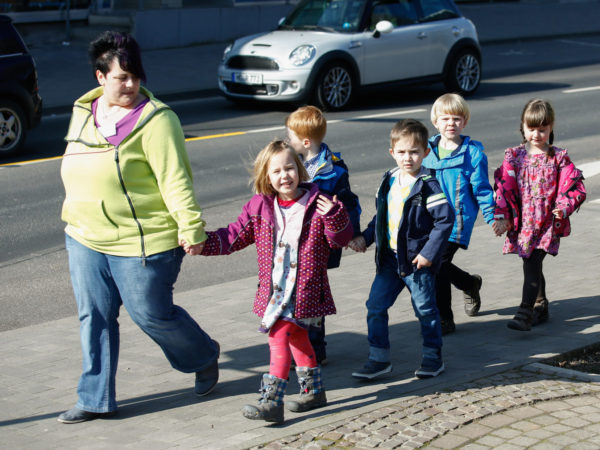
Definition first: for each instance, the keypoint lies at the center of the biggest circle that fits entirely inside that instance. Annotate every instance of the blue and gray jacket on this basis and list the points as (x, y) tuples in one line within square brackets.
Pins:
[(464, 179), (425, 226), (333, 179)]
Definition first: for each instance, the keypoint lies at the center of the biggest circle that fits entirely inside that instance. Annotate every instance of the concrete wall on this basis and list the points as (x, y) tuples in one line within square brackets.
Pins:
[(164, 28)]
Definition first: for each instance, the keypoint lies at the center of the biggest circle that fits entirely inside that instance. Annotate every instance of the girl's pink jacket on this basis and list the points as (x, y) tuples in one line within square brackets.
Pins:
[(256, 224), (569, 196)]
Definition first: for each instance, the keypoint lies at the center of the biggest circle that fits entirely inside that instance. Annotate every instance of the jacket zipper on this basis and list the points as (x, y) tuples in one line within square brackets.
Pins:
[(139, 225)]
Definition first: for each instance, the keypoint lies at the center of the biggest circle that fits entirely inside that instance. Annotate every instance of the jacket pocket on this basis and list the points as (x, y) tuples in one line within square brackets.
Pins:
[(89, 220)]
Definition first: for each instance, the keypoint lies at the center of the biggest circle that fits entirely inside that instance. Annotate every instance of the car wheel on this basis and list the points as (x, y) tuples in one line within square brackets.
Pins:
[(335, 87), (12, 128), (464, 73)]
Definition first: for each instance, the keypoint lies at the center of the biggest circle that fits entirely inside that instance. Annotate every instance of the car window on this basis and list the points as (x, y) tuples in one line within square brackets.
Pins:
[(10, 42), (437, 10), (330, 15), (398, 12)]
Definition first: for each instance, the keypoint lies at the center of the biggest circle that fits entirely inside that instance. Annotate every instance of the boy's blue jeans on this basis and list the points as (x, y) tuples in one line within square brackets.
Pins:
[(386, 287), (101, 284)]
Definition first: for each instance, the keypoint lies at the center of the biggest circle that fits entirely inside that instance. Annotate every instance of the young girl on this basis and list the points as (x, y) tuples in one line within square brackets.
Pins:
[(293, 226), (537, 188)]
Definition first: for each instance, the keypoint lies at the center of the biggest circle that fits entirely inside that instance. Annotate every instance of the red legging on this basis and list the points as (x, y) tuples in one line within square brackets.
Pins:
[(285, 337)]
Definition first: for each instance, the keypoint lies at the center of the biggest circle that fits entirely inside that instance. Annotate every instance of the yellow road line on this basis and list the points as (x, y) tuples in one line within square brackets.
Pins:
[(33, 161), (215, 136), (199, 138)]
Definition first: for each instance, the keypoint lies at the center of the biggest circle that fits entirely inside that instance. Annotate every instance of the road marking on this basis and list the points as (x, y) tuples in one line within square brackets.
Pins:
[(587, 89), (215, 136), (590, 169), (588, 44), (33, 161), (241, 133)]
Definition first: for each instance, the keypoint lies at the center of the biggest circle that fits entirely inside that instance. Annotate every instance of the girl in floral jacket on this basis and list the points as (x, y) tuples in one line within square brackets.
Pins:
[(293, 226), (537, 188)]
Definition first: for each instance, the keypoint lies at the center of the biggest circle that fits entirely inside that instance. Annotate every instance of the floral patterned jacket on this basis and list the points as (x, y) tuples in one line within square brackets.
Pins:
[(570, 195), (256, 224)]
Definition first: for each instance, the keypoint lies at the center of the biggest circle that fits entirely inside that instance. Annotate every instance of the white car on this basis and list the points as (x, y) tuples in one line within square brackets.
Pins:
[(325, 50)]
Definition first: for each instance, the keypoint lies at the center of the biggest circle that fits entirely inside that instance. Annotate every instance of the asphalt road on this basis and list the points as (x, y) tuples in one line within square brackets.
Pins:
[(33, 266)]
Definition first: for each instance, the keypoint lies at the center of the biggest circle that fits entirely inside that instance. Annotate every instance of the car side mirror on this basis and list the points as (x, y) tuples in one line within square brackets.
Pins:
[(383, 27)]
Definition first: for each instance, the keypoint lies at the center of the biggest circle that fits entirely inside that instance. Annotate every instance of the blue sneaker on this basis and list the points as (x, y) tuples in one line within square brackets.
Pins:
[(430, 368), (373, 369)]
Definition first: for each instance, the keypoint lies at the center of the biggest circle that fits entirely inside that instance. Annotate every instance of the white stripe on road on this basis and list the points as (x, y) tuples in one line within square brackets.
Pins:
[(590, 169), (586, 44), (330, 122), (587, 89)]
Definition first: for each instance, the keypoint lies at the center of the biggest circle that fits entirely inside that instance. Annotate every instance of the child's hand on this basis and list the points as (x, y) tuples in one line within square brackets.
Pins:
[(324, 205), (193, 250), (421, 261), (558, 213), (500, 226), (358, 244)]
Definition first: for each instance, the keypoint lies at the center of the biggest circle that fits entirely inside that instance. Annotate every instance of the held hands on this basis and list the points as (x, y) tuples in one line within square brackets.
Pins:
[(501, 226), (193, 250), (358, 244), (324, 205), (421, 261)]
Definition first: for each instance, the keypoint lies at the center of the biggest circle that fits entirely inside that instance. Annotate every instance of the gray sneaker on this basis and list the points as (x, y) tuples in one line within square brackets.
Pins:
[(472, 299)]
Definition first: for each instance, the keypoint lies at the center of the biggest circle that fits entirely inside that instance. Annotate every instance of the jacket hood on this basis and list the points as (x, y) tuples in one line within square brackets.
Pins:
[(82, 112)]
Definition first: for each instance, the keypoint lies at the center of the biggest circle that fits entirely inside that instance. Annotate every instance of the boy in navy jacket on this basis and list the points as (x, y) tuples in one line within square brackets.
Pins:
[(306, 127), (410, 229)]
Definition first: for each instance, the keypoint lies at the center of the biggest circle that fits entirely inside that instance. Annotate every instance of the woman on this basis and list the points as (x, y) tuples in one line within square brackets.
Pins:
[(129, 202)]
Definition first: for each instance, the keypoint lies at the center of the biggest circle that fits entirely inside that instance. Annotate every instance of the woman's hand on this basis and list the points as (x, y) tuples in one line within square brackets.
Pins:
[(324, 205), (558, 213), (193, 250), (358, 244)]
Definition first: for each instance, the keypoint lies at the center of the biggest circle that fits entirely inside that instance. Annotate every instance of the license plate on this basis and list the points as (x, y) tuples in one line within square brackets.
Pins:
[(247, 78)]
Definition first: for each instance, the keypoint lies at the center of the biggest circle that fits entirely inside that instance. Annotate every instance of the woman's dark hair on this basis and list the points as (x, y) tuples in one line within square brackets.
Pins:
[(122, 46)]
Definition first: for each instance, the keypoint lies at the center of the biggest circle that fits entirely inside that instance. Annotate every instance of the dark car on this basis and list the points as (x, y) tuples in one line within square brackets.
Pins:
[(20, 101)]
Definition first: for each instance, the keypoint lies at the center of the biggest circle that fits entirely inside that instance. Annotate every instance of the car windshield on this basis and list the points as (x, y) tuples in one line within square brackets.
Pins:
[(325, 15)]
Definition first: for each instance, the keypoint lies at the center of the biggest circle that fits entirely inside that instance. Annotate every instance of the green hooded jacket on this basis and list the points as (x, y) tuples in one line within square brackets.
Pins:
[(136, 199)]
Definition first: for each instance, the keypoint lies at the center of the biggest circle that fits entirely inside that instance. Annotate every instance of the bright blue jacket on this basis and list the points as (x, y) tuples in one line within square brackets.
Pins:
[(464, 178), (425, 226), (333, 179)]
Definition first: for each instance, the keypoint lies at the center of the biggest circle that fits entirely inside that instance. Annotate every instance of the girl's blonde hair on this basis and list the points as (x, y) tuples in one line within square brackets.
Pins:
[(538, 113), (452, 104), (308, 122), (260, 172)]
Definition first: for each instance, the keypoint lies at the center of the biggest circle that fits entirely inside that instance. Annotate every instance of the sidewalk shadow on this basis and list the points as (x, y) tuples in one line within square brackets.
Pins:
[(493, 349)]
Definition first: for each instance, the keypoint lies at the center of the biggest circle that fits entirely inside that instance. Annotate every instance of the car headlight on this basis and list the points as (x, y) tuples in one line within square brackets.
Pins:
[(303, 54), (226, 51)]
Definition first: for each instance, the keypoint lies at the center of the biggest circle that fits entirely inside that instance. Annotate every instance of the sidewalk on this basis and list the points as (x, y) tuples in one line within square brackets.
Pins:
[(492, 393)]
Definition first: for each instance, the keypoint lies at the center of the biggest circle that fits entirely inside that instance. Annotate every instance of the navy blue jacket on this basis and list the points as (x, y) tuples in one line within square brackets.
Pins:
[(425, 227), (333, 179)]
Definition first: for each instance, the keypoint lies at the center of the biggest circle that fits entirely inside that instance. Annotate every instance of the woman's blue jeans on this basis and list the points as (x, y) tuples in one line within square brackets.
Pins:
[(101, 284), (386, 287)]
